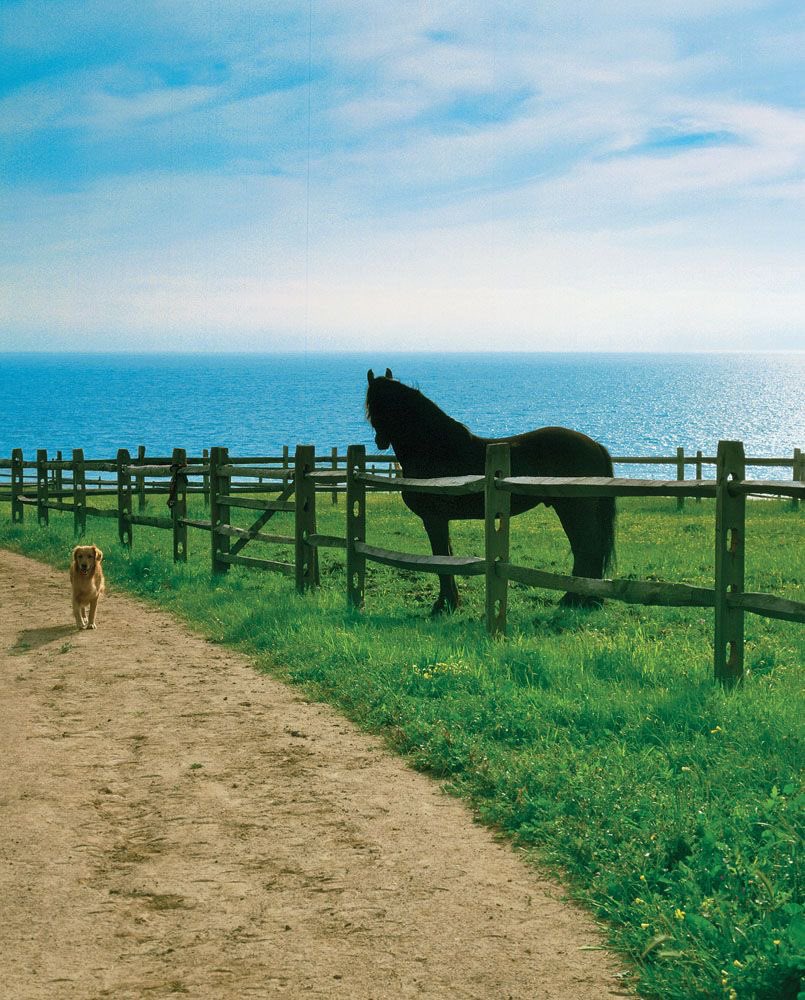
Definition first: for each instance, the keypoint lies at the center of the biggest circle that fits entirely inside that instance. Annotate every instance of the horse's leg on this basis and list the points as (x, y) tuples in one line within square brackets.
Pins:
[(579, 518), (438, 530)]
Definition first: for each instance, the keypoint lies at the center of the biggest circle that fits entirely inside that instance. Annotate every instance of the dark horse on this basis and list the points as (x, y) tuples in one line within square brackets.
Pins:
[(429, 444)]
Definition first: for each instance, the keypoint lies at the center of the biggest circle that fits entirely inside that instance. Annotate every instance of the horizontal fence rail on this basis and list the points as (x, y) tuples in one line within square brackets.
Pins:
[(268, 485)]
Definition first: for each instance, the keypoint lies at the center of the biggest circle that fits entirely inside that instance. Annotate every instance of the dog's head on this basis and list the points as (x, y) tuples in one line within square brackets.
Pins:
[(85, 558)]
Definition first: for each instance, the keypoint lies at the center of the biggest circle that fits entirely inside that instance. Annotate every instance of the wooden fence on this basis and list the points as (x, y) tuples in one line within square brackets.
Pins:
[(228, 483)]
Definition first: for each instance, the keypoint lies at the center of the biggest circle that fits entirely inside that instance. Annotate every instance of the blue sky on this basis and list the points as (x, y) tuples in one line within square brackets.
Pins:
[(325, 175)]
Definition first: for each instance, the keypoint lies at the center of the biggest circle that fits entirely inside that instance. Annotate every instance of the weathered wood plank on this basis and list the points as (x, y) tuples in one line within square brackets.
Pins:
[(220, 486), (202, 525), (706, 459), (177, 504), (276, 460), (768, 487), (452, 565), (124, 497), (149, 521), (730, 549), (287, 569), (249, 504), (17, 485), (327, 541), (585, 486), (356, 527), (58, 505), (80, 491), (307, 557), (328, 475), (451, 486), (139, 481), (101, 512), (164, 470), (58, 464), (256, 536), (646, 459), (255, 471), (497, 515), (648, 592), (769, 462), (42, 487), (769, 606)]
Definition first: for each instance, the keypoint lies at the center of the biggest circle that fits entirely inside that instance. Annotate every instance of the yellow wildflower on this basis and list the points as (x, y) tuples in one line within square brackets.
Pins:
[(638, 901), (679, 914)]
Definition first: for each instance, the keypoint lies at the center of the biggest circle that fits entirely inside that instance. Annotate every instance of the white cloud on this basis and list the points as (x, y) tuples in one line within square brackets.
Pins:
[(474, 172), (114, 111)]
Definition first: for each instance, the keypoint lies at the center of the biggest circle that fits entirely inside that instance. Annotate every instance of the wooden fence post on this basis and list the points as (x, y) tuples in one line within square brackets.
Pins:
[(497, 508), (124, 529), (79, 493), (699, 470), (205, 479), (58, 478), (17, 486), (141, 501), (334, 466), (680, 475), (797, 474), (42, 512), (306, 556), (178, 505), (356, 527), (729, 576), (219, 509)]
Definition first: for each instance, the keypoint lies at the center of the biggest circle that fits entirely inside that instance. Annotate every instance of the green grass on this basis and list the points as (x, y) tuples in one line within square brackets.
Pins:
[(597, 741)]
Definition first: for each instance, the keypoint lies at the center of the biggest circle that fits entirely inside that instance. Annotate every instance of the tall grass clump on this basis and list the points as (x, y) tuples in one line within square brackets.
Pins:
[(597, 741)]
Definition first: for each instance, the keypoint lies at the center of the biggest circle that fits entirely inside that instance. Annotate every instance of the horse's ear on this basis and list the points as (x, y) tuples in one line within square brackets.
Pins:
[(370, 375), (388, 373)]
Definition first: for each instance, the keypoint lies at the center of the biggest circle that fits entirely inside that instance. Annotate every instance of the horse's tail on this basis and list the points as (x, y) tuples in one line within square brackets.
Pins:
[(606, 520)]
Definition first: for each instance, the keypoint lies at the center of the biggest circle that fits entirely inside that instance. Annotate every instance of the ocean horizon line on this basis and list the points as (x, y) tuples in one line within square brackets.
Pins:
[(363, 352)]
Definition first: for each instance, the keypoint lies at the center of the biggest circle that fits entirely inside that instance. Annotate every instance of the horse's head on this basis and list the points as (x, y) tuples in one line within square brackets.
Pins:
[(377, 412)]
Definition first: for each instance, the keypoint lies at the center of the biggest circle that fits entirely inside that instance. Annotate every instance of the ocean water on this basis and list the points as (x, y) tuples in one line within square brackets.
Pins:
[(639, 404)]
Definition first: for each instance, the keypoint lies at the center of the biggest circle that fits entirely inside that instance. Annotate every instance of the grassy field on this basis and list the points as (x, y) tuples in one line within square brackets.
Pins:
[(595, 740)]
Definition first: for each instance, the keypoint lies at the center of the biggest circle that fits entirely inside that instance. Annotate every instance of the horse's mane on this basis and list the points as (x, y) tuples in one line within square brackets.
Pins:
[(392, 403)]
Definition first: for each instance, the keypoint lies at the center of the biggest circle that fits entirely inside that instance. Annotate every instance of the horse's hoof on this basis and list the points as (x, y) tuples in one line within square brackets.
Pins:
[(442, 608)]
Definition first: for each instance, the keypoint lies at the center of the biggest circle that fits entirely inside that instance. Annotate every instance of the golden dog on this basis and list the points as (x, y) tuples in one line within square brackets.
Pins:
[(86, 576)]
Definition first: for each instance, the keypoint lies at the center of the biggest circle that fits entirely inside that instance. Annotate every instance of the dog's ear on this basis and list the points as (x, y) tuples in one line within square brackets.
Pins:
[(72, 557), (370, 376), (98, 553)]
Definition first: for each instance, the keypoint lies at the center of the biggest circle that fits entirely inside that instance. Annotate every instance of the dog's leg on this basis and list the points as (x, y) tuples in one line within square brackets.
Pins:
[(91, 619), (78, 614)]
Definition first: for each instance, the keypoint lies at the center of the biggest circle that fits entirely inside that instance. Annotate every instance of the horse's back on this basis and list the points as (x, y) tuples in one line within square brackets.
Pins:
[(557, 451)]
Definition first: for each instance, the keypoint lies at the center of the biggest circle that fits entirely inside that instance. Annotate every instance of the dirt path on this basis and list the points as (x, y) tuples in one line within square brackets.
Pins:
[(173, 823)]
